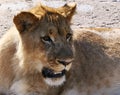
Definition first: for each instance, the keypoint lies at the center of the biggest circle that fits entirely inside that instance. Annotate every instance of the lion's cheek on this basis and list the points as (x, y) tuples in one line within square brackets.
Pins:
[(68, 67)]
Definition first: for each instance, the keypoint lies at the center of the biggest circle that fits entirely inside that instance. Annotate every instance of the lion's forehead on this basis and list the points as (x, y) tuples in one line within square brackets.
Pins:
[(56, 28)]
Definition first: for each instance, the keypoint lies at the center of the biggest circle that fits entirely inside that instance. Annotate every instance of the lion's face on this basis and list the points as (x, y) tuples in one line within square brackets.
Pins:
[(57, 42), (47, 42)]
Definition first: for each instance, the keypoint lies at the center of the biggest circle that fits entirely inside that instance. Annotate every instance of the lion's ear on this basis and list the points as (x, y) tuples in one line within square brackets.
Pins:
[(68, 10), (24, 21)]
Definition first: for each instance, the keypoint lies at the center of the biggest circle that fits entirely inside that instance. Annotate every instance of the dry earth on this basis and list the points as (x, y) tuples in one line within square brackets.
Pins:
[(90, 13)]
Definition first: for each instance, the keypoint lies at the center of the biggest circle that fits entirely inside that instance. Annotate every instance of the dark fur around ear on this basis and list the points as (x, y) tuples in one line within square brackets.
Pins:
[(68, 10), (24, 21)]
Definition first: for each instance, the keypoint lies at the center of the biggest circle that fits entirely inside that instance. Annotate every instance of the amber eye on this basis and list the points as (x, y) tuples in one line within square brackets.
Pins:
[(46, 39), (69, 37)]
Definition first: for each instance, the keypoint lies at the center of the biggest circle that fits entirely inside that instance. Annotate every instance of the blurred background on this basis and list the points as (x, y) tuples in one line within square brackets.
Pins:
[(89, 13)]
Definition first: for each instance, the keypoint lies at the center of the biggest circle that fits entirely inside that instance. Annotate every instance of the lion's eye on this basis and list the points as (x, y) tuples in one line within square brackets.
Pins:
[(68, 37), (46, 39)]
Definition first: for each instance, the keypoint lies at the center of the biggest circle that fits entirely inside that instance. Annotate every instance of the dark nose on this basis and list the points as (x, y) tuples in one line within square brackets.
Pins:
[(64, 62)]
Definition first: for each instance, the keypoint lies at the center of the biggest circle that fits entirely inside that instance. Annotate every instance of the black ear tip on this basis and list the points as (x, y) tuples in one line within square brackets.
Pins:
[(65, 4)]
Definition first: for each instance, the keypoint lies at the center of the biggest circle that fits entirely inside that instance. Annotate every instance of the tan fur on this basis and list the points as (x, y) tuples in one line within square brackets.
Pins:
[(24, 53), (95, 70)]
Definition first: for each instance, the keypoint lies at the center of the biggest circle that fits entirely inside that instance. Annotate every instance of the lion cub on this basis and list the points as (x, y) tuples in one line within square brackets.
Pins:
[(37, 52)]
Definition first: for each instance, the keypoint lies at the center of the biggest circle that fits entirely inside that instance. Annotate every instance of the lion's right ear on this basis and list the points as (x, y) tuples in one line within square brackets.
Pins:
[(24, 21)]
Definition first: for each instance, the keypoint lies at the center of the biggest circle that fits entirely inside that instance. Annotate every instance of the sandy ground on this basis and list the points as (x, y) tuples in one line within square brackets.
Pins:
[(90, 13)]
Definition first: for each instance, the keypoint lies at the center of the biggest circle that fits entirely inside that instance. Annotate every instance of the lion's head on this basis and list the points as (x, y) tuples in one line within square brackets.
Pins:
[(46, 41)]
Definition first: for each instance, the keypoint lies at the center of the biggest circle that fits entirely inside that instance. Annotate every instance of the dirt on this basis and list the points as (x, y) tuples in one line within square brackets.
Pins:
[(90, 13)]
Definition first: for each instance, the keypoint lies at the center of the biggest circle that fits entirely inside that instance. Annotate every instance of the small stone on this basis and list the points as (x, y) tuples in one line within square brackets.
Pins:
[(107, 10)]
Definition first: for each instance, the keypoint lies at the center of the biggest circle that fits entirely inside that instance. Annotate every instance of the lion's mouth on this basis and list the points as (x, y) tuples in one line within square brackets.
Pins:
[(49, 73)]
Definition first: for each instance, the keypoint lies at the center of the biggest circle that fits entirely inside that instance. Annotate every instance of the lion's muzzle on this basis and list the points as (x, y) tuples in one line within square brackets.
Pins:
[(49, 73)]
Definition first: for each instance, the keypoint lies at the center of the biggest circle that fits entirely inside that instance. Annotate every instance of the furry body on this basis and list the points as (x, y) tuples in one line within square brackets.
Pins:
[(37, 51)]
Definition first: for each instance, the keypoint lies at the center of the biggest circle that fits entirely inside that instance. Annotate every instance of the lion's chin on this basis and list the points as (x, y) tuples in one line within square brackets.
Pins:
[(55, 81), (53, 78)]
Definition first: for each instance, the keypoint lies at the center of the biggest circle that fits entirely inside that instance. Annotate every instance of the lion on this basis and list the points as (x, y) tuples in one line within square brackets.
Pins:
[(37, 52), (42, 55), (96, 66)]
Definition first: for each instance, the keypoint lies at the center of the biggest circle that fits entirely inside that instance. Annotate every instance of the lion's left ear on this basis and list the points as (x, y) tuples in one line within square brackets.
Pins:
[(68, 10)]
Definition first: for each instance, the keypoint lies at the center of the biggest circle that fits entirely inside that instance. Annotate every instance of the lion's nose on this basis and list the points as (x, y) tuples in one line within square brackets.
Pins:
[(64, 62)]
